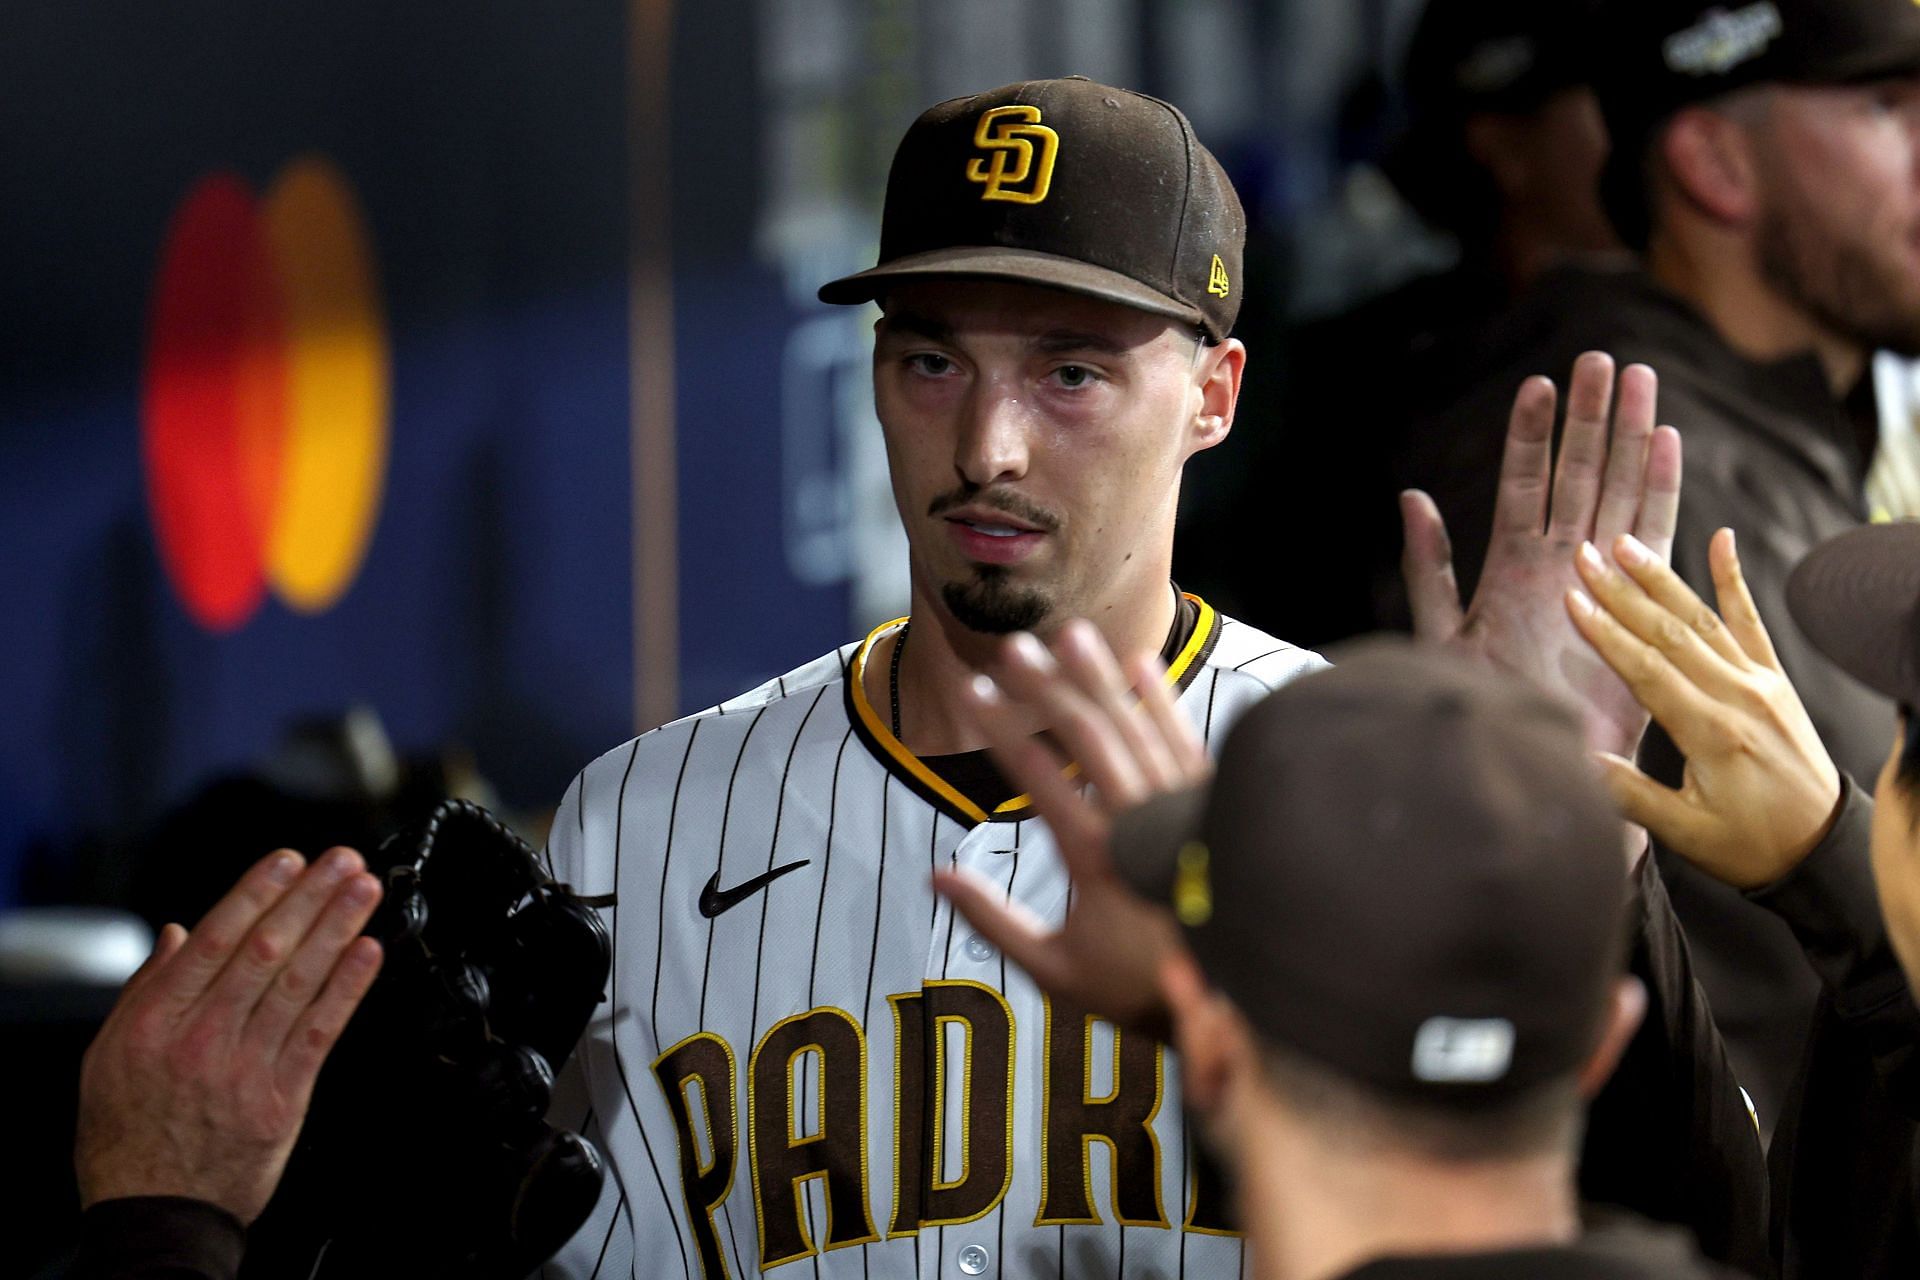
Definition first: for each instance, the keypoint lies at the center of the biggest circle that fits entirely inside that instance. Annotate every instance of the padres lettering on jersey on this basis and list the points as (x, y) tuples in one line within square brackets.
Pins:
[(807, 1061)]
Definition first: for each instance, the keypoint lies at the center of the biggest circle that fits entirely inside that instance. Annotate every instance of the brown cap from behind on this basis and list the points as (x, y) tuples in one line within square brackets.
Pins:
[(1069, 184), (1857, 598), (1404, 869)]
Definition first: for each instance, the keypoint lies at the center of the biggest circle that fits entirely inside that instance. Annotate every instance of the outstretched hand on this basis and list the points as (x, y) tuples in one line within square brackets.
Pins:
[(1600, 488), (1121, 726), (199, 1079), (1759, 790)]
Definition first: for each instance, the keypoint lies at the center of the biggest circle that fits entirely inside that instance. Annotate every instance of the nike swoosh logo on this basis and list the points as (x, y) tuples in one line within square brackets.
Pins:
[(714, 899)]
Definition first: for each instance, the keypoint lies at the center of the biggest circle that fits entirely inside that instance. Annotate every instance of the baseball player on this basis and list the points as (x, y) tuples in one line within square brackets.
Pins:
[(808, 1064)]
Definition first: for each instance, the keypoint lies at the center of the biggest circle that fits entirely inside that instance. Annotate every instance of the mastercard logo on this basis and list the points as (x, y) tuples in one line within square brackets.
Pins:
[(265, 394)]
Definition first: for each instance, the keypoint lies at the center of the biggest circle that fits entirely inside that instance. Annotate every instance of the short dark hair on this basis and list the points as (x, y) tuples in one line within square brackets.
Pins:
[(1547, 1119)]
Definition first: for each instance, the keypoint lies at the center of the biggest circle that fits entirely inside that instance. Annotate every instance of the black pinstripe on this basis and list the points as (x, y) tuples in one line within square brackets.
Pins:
[(813, 969), (613, 984), (1285, 648), (773, 845), (1062, 1228), (873, 960), (939, 1047), (1000, 1214), (720, 856)]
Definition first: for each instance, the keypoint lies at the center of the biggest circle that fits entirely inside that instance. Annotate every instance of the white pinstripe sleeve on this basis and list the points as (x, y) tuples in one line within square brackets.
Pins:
[(604, 1246)]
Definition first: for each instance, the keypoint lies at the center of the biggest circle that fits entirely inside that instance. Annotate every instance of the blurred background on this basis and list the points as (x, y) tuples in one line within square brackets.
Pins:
[(458, 364), (410, 400)]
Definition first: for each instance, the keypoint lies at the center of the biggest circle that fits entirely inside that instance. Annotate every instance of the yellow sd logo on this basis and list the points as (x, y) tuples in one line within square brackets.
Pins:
[(1010, 135)]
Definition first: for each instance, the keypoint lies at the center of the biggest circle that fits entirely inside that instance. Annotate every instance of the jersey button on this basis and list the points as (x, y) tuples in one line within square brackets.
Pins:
[(974, 1259), (979, 950)]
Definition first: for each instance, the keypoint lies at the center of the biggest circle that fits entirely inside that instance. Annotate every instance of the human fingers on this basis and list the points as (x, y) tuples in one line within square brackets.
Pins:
[(1039, 771), (1624, 484), (134, 996), (1660, 504), (1583, 448), (319, 1025), (258, 961), (1667, 589), (302, 980), (1030, 673), (211, 944), (1149, 680), (1526, 463), (1663, 811), (1660, 623), (1083, 654), (1016, 931), (1668, 696), (1742, 615), (165, 947), (1426, 568)]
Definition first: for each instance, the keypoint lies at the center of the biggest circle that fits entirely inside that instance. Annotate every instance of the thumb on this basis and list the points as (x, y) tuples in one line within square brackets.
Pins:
[(1667, 817), (1426, 567)]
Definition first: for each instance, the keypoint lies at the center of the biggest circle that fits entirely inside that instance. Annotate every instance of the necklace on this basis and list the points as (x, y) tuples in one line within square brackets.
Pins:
[(893, 678)]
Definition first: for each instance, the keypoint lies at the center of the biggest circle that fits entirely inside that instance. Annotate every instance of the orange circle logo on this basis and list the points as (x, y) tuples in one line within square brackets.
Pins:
[(264, 398)]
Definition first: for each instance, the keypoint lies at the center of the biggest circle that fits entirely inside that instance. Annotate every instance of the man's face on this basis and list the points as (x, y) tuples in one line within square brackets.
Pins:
[(1035, 440), (1838, 170), (1896, 860)]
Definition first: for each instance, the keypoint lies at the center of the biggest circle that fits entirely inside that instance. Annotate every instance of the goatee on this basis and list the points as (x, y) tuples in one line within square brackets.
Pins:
[(994, 606)]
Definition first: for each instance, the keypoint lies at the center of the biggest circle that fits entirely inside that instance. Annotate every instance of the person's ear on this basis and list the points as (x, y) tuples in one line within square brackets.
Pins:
[(1623, 1016), (1218, 392), (1709, 160), (1491, 142)]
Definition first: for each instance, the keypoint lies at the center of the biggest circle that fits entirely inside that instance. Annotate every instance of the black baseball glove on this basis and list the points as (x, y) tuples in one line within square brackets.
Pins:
[(427, 1152)]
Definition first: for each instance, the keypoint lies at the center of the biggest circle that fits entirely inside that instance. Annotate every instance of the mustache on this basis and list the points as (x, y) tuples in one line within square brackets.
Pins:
[(1005, 501)]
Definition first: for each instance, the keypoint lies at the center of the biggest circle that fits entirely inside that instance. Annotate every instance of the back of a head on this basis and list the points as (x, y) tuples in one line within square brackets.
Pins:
[(1407, 879)]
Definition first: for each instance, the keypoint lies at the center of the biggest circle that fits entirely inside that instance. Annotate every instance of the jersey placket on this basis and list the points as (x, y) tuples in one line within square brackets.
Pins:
[(959, 954)]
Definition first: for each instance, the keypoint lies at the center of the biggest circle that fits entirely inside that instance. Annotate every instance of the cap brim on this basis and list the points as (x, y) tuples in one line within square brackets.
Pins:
[(1855, 598), (1147, 840), (1023, 265), (1893, 58)]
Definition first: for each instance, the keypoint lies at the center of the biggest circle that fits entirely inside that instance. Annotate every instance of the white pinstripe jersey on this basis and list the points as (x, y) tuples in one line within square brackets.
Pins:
[(831, 1075)]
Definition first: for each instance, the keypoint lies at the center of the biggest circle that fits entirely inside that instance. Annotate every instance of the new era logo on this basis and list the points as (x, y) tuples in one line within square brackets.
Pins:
[(1217, 283), (1462, 1050)]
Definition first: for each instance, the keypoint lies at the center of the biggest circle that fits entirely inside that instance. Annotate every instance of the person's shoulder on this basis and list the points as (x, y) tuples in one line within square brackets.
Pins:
[(1243, 654), (796, 693)]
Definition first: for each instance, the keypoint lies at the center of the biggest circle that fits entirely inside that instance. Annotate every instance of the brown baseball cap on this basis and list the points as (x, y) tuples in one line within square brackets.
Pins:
[(1069, 184), (1654, 57), (1857, 598), (1404, 869)]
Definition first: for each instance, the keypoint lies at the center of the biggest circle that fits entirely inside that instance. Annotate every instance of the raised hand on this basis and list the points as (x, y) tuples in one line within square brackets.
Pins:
[(199, 1079), (1602, 487), (1120, 725), (1759, 790)]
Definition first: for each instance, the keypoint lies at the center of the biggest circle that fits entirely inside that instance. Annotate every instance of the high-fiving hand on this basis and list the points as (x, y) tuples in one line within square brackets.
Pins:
[(1600, 489), (199, 1079), (1130, 741), (1759, 790)]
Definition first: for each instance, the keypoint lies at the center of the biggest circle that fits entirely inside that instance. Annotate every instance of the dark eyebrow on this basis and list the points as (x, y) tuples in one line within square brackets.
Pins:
[(1063, 341), (912, 322)]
